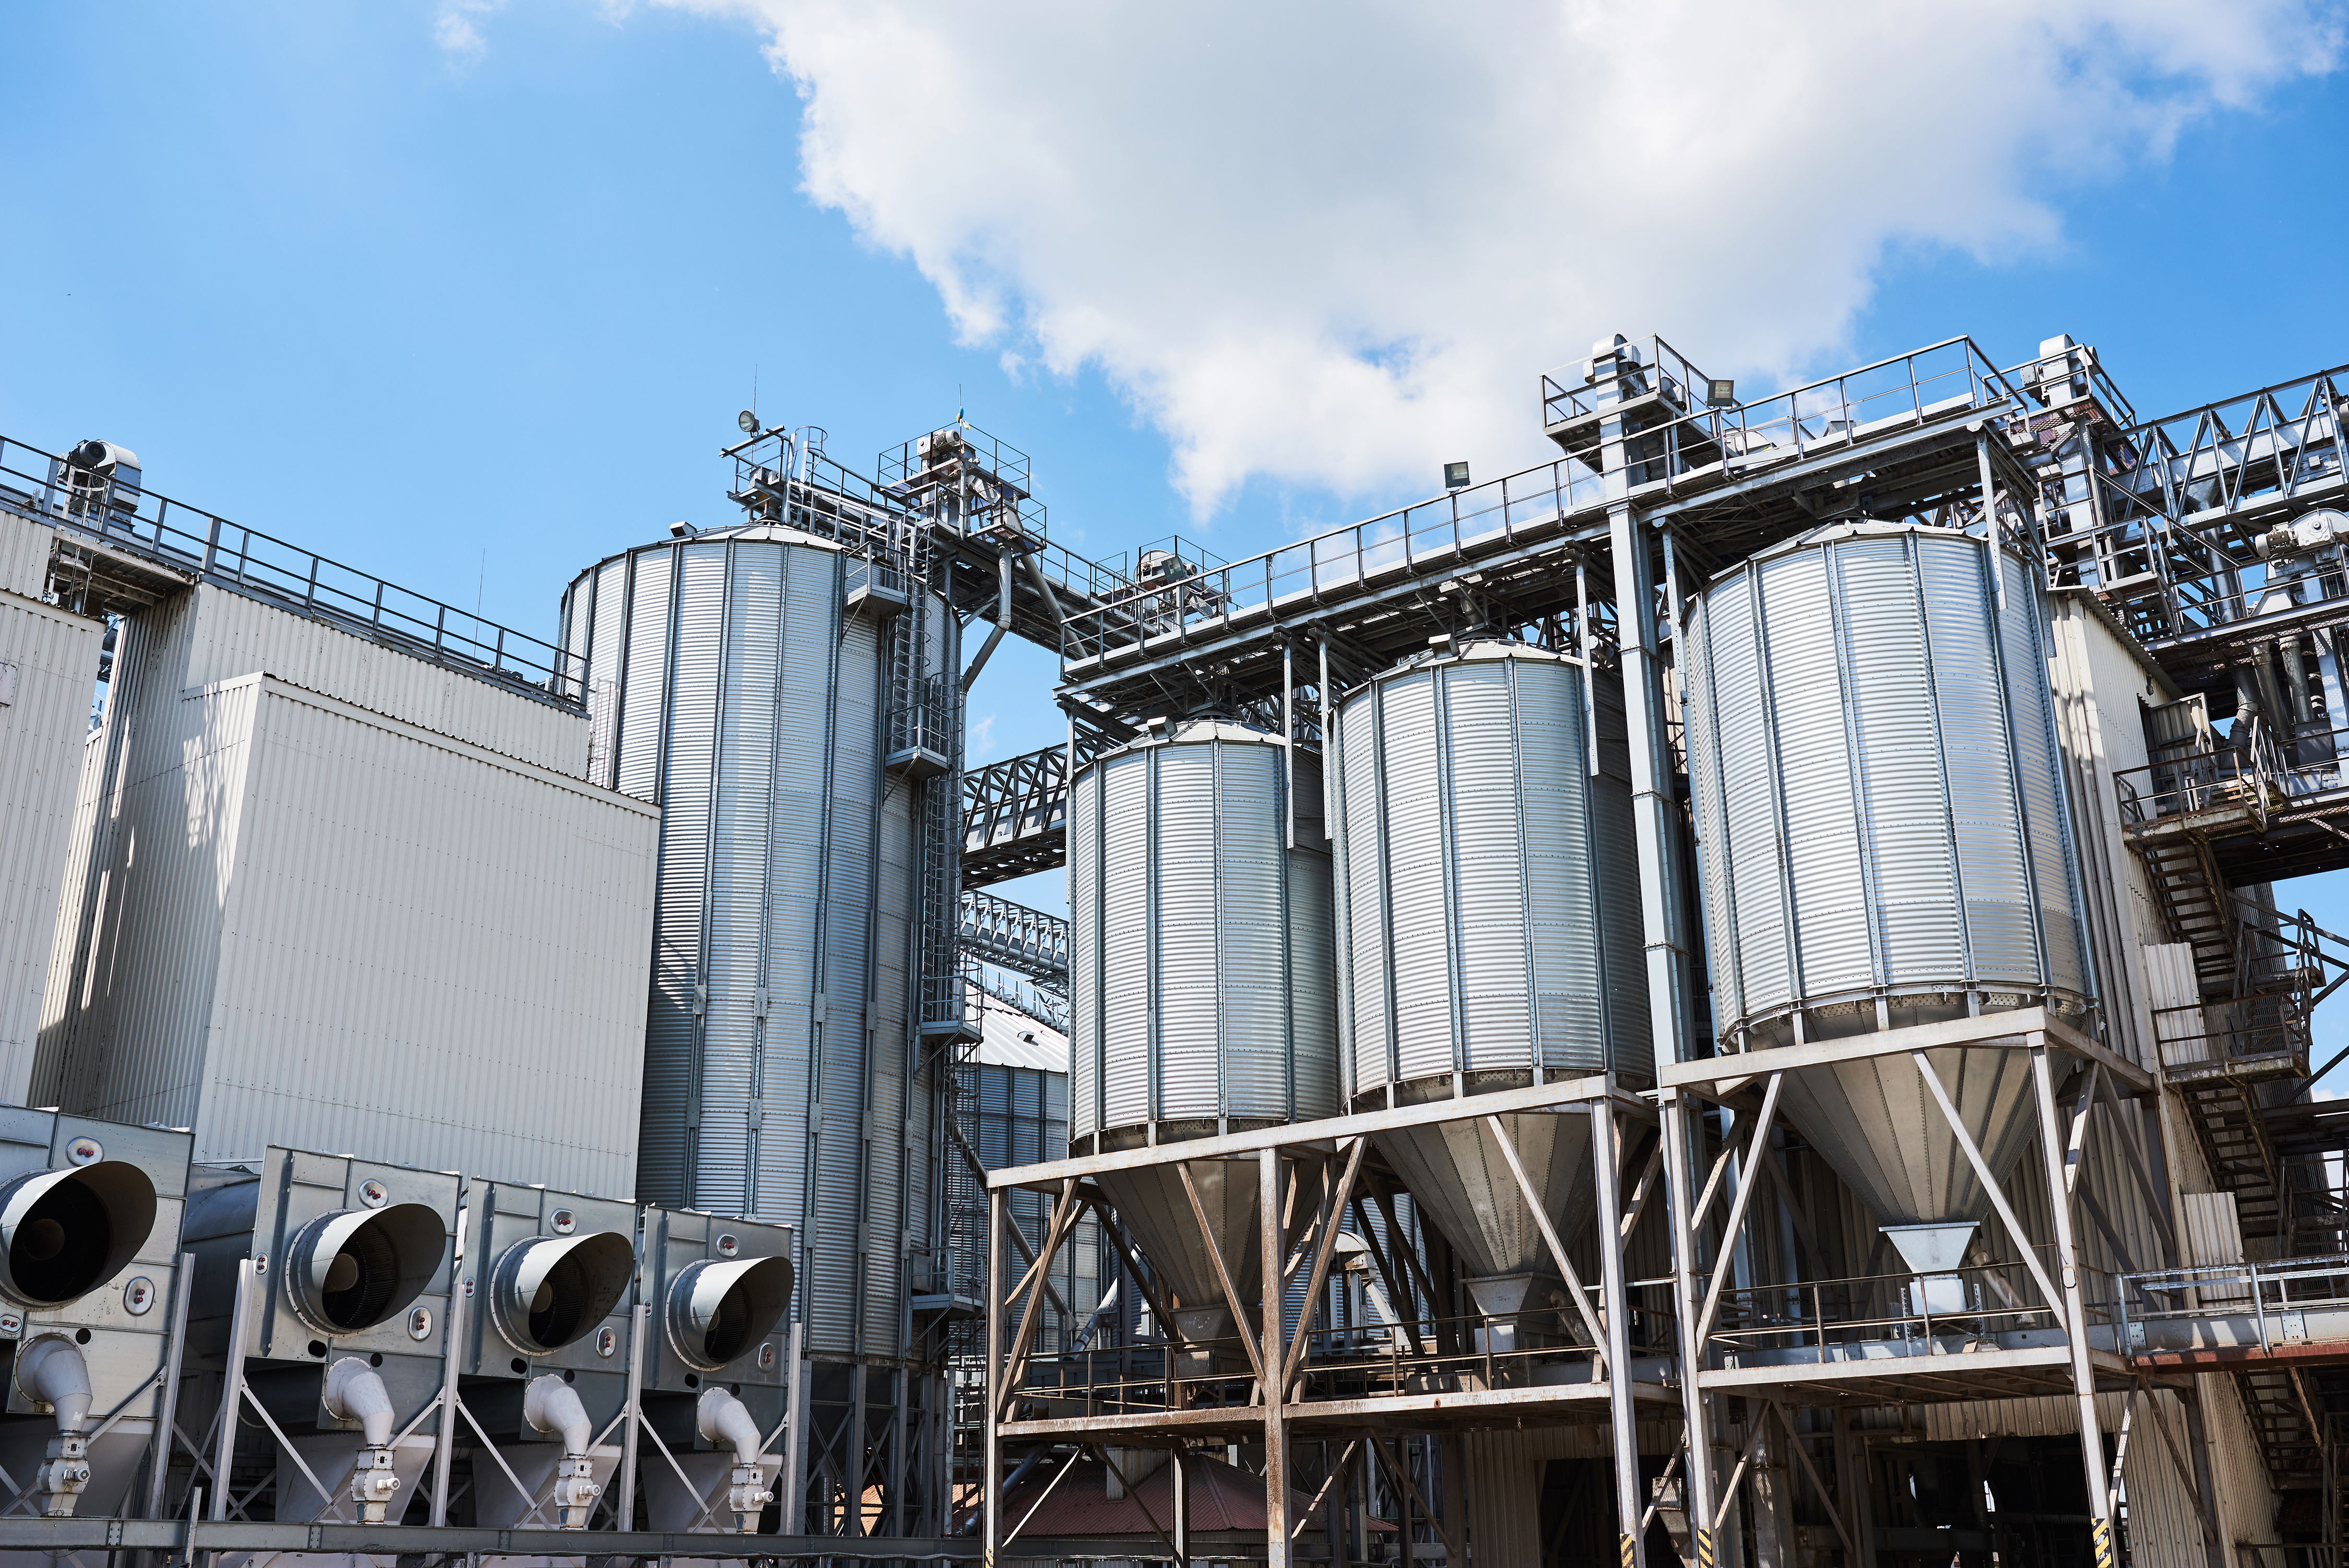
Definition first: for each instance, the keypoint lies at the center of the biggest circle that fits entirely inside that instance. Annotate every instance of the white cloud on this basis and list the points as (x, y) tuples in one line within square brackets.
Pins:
[(455, 28), (1334, 244), (979, 738)]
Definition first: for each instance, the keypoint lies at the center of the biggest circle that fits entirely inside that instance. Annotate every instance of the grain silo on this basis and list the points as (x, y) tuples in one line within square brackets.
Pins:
[(1883, 842), (1488, 887), (1201, 991), (736, 680)]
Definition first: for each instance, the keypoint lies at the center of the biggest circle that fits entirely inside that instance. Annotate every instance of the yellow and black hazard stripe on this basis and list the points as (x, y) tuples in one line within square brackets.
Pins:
[(1626, 1541), (1705, 1549), (2100, 1531)]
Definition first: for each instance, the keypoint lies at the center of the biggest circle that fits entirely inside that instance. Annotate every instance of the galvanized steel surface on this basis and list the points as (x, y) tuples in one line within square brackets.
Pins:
[(726, 683), (317, 918), (1488, 881), (25, 547), (1873, 770), (1201, 942), (52, 665)]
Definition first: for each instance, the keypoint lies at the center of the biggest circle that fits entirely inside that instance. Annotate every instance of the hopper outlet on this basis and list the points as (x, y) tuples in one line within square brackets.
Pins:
[(1933, 1253), (1878, 1125), (545, 1292), (1521, 1311), (354, 1268), (1157, 1212), (1461, 1180), (64, 1234)]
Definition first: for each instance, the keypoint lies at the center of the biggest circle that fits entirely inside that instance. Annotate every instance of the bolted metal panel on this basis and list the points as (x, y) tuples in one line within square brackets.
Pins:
[(1491, 898), (1492, 925), (1200, 987), (52, 659), (1873, 767)]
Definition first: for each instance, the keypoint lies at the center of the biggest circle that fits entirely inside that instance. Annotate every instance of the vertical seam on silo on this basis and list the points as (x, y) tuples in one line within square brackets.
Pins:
[(620, 681), (1855, 748), (1699, 668), (1536, 1054), (709, 858), (1152, 1099), (1915, 560), (1456, 1005), (2033, 605), (1383, 869), (1216, 906), (1774, 773), (1335, 820), (1991, 560), (1285, 858)]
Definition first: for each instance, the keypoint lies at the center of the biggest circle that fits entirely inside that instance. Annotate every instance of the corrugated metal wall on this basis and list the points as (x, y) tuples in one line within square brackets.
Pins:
[(317, 919), (1203, 941), (25, 549), (48, 667)]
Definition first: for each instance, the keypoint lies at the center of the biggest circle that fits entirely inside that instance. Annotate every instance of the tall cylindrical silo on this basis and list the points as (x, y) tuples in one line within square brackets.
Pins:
[(730, 682), (1488, 883), (1882, 839), (1202, 988)]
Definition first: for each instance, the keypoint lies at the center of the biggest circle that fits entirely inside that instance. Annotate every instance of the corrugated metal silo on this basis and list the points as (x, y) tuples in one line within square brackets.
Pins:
[(1488, 880), (1882, 837), (1202, 1000), (729, 683)]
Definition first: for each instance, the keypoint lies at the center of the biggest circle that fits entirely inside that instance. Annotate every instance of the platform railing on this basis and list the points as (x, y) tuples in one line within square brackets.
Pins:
[(190, 540), (1833, 414), (1823, 1316), (2270, 1293)]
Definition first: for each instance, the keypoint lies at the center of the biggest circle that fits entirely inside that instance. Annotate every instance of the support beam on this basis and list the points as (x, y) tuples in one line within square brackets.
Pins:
[(1224, 1274), (1332, 1214), (1620, 1414), (2075, 1308), (1591, 1320), (1756, 1144), (1277, 1547)]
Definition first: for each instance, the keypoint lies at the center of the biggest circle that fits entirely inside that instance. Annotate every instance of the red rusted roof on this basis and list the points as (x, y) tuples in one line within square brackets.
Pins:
[(1222, 1497)]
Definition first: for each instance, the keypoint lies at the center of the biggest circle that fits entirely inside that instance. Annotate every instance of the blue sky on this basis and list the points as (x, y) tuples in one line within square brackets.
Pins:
[(469, 295)]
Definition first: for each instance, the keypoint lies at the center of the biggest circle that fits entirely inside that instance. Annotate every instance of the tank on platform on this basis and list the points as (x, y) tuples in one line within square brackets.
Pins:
[(1202, 985), (1883, 843), (1488, 885)]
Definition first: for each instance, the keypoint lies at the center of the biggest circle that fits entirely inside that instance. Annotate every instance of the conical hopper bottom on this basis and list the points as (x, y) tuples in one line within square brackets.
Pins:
[(1463, 1186), (1878, 1127), (1157, 1213)]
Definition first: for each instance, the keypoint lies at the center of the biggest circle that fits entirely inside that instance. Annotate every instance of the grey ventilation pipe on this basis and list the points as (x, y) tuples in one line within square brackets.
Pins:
[(1002, 621), (52, 1372), (722, 1419), (64, 1234), (552, 1407), (355, 1392)]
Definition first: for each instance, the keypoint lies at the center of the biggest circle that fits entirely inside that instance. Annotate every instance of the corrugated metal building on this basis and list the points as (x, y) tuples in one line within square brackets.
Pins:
[(384, 914), (48, 668)]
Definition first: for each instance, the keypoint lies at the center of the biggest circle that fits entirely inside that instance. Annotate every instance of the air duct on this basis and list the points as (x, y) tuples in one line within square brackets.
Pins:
[(354, 1268), (90, 1258), (550, 1291), (714, 1311), (67, 1232), (51, 1371)]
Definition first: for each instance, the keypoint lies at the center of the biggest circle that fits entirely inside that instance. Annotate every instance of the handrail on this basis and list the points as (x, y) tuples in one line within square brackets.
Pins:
[(1833, 414), (187, 540)]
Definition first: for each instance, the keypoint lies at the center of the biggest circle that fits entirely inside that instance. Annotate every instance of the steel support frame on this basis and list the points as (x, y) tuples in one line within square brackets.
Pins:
[(1302, 1245), (2062, 1137)]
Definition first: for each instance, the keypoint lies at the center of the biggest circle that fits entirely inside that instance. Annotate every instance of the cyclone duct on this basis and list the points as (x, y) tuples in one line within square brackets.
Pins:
[(1202, 1000), (1489, 888), (1881, 837)]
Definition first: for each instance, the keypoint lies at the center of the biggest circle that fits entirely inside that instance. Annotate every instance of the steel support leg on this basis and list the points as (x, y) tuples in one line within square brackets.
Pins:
[(1680, 1140), (1275, 1383), (1628, 1502), (991, 1464), (2075, 1316)]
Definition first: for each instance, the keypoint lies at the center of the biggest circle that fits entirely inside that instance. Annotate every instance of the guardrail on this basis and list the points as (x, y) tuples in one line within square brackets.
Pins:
[(2269, 1293), (1731, 441), (147, 525)]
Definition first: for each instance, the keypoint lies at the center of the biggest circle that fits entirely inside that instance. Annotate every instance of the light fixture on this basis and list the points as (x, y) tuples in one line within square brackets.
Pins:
[(748, 422), (1455, 476), (1720, 392)]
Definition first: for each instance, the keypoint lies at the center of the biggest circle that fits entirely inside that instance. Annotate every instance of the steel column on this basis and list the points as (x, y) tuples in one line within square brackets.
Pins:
[(1276, 1544), (1617, 1322), (2075, 1316), (992, 1465)]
